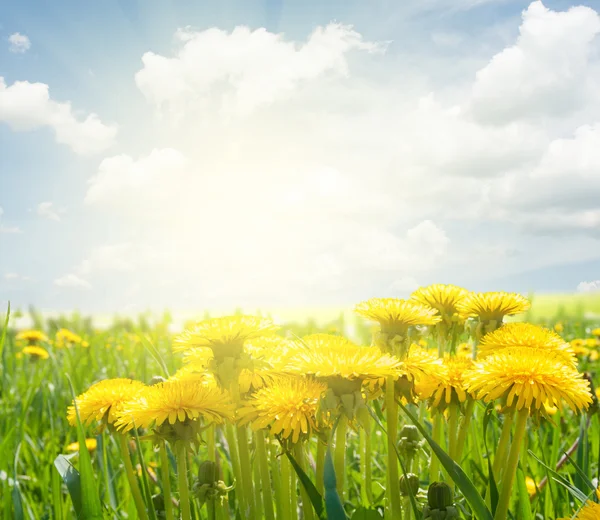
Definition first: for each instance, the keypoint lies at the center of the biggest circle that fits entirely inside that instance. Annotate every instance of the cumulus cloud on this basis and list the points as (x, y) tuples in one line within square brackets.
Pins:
[(18, 43), (26, 106), (47, 210), (73, 281), (586, 287), (545, 73), (244, 69)]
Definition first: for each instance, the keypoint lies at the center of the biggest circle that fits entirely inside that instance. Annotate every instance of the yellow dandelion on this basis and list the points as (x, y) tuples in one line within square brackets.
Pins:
[(194, 372), (175, 402), (90, 444), (450, 385), (104, 400), (591, 342), (559, 327), (224, 336), (66, 338), (492, 306), (531, 486), (577, 343), (420, 363), (36, 352), (596, 332), (288, 407), (443, 298), (31, 336), (464, 349), (334, 359), (528, 336), (528, 378), (395, 316), (590, 511)]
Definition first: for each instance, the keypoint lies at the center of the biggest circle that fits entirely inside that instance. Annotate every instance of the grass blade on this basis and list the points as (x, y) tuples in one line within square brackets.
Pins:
[(70, 477), (315, 497), (333, 503), (523, 494)]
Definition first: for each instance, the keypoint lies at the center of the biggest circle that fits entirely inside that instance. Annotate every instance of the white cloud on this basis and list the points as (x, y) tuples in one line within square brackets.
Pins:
[(585, 287), (243, 70), (71, 280), (7, 229), (16, 276), (26, 106), (545, 73), (48, 211), (18, 43)]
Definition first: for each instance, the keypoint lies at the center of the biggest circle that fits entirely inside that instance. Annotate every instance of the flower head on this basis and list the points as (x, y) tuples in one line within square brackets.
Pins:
[(596, 332), (31, 336), (448, 383), (590, 511), (528, 378), (103, 400), (90, 444), (396, 315), (492, 306), (287, 406), (224, 336), (528, 336), (66, 338), (175, 401), (443, 298), (35, 352)]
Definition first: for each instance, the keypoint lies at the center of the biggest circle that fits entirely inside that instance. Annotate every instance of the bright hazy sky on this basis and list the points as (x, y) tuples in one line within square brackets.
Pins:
[(191, 154)]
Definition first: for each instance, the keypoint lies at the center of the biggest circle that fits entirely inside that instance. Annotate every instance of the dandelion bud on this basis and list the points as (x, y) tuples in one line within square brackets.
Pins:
[(157, 379), (207, 473), (439, 495), (410, 432), (409, 484)]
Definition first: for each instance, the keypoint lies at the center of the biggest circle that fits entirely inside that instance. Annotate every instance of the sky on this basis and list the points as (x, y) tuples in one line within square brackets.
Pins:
[(276, 153)]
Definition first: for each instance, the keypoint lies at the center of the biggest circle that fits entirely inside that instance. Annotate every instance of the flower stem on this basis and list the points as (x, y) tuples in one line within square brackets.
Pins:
[(452, 433), (182, 480), (131, 478), (265, 477), (285, 488), (511, 467), (365, 453), (246, 470), (277, 480), (307, 507), (166, 481), (500, 457), (235, 465), (320, 466), (463, 429), (340, 454), (436, 434), (210, 443), (392, 491)]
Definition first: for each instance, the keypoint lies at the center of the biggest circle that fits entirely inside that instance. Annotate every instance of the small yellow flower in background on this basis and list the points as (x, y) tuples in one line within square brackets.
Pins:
[(90, 444), (559, 327), (591, 342), (85, 344), (596, 332), (464, 349), (577, 343), (224, 336), (395, 316), (66, 338), (35, 352), (531, 487), (175, 402), (594, 355), (31, 336), (288, 407), (104, 400), (423, 343), (528, 378), (492, 306), (443, 298), (528, 336)]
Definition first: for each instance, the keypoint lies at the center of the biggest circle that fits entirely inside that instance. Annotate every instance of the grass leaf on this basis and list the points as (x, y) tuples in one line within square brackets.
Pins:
[(315, 497)]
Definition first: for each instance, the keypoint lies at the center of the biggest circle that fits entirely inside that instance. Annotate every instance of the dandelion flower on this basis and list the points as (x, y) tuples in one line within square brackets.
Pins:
[(175, 402), (394, 315), (194, 372), (31, 336), (443, 298), (288, 407), (590, 511), (492, 306), (596, 332), (450, 385), (90, 444), (104, 400), (531, 486), (341, 363), (528, 336), (224, 336), (35, 352), (66, 338), (528, 378)]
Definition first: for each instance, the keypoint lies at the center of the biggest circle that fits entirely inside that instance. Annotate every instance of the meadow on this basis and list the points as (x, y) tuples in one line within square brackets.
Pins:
[(447, 405)]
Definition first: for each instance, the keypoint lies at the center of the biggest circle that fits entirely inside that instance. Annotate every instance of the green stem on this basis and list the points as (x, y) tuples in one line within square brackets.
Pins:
[(307, 507), (320, 466), (511, 467), (406, 505), (210, 443), (339, 457), (463, 429), (258, 497), (392, 491), (131, 478), (182, 480), (246, 470), (265, 477), (500, 457), (277, 480), (166, 481), (235, 465), (365, 463), (436, 435), (293, 496), (285, 488)]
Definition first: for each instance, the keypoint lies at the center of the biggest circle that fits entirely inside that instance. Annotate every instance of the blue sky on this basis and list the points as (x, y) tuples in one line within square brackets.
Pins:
[(187, 154)]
